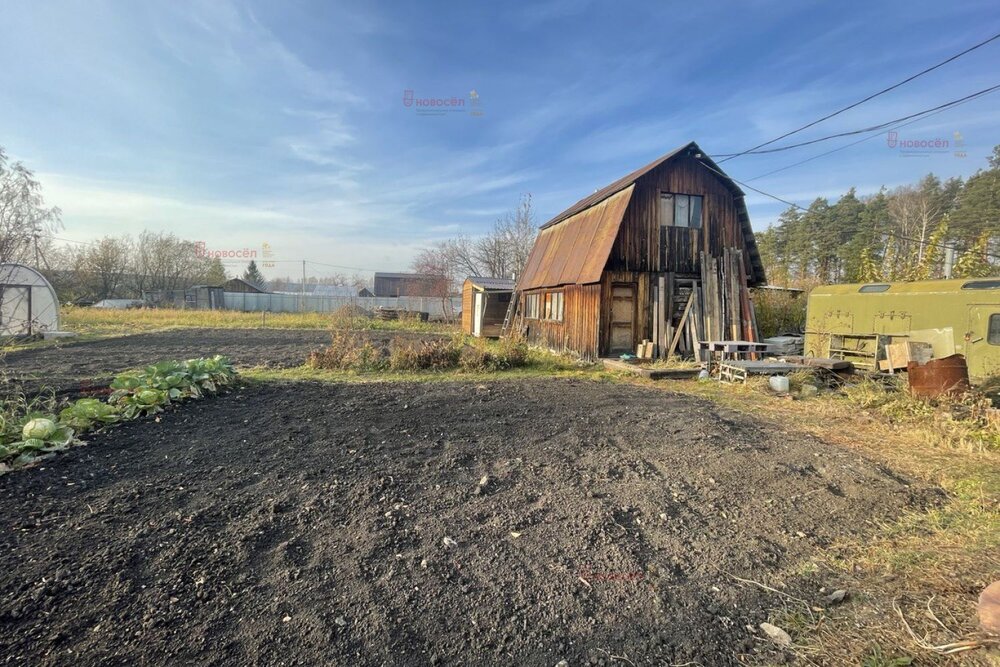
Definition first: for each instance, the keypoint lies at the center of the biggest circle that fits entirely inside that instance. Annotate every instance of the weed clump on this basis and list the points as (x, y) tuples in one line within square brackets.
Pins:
[(356, 351), (510, 352)]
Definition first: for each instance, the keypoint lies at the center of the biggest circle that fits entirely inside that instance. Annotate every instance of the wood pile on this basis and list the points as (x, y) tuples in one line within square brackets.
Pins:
[(399, 314), (713, 306), (728, 312)]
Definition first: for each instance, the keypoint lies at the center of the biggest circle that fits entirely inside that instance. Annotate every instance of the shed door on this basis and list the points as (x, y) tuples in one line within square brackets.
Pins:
[(622, 319), (477, 313), (982, 347)]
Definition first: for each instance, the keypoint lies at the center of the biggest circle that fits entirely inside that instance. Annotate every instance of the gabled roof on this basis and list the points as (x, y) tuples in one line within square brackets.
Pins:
[(486, 283), (599, 255)]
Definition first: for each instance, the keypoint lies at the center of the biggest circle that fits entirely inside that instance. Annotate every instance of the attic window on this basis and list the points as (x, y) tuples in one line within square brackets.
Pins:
[(680, 210), (874, 288)]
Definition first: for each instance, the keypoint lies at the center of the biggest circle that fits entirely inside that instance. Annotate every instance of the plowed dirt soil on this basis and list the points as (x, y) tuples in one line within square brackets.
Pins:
[(516, 522)]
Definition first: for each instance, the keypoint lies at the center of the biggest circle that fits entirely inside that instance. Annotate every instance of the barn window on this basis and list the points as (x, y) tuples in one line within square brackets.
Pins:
[(554, 306), (993, 337), (531, 306), (680, 210)]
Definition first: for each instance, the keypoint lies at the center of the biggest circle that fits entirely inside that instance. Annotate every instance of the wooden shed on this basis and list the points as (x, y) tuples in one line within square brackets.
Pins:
[(484, 305), (664, 254)]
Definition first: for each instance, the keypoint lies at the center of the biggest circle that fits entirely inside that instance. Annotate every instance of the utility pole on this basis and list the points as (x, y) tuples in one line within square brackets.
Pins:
[(302, 297)]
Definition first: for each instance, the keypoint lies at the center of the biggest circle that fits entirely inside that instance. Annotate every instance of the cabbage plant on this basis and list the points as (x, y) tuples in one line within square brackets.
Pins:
[(143, 402), (40, 436), (87, 413)]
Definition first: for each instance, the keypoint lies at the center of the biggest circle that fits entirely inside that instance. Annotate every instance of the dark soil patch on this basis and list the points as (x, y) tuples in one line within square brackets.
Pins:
[(305, 523), (61, 367)]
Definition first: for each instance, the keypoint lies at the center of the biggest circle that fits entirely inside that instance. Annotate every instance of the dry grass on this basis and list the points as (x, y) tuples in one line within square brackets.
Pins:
[(93, 322), (914, 583)]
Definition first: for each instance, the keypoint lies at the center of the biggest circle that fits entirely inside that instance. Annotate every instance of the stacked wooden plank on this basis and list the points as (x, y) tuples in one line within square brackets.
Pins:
[(715, 305), (728, 312)]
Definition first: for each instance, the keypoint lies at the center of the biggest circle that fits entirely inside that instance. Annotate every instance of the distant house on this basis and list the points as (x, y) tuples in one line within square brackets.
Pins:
[(484, 305), (410, 284), (242, 286)]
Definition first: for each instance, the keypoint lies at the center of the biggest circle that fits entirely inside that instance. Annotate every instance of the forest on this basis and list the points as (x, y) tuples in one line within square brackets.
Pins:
[(919, 231)]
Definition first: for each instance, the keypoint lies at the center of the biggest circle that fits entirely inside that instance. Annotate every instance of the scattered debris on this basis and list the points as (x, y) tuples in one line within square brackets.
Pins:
[(776, 634), (448, 542), (989, 608), (341, 621), (837, 596)]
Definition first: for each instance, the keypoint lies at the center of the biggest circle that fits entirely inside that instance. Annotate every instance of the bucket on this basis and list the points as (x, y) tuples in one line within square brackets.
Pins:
[(947, 375), (779, 383)]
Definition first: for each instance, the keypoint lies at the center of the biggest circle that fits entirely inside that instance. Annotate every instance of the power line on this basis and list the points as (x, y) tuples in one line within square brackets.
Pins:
[(866, 99), (873, 128), (853, 143)]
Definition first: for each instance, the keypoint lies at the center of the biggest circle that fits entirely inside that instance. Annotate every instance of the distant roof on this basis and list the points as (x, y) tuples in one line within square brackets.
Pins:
[(246, 283), (416, 276), (491, 283)]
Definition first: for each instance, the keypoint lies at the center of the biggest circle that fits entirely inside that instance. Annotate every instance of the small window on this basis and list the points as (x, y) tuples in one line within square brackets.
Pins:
[(982, 284), (556, 313), (531, 306), (680, 210), (874, 288), (993, 336)]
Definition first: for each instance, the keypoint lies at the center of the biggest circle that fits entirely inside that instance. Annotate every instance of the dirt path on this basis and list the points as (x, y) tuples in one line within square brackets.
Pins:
[(306, 524)]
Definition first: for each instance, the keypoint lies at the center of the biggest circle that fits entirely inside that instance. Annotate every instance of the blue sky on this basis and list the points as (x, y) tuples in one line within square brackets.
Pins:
[(239, 123)]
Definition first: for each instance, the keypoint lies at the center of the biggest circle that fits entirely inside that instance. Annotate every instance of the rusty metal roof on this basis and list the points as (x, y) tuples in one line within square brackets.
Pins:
[(756, 267), (575, 250)]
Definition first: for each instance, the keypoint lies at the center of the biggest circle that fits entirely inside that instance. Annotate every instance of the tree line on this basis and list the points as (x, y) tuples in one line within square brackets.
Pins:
[(912, 232)]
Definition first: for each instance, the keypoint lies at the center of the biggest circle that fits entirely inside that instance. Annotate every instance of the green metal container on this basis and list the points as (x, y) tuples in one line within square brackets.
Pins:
[(856, 321)]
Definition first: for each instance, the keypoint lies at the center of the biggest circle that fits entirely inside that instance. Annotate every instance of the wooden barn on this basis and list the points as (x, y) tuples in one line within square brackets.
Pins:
[(665, 254), (484, 305)]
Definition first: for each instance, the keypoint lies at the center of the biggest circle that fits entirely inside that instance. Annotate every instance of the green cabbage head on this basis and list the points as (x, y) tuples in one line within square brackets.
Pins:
[(39, 429)]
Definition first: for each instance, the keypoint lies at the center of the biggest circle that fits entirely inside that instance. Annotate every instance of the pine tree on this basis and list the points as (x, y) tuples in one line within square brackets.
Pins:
[(253, 275)]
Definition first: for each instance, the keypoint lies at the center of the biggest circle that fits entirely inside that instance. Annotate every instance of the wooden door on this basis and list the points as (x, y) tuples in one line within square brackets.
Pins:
[(982, 347), (477, 314), (622, 334)]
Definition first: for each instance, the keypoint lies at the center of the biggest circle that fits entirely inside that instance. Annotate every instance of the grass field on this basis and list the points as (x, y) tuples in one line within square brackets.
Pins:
[(96, 322), (927, 567)]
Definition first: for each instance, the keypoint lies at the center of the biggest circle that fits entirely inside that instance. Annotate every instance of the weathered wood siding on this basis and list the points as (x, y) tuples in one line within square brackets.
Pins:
[(642, 246), (578, 331), (467, 307)]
